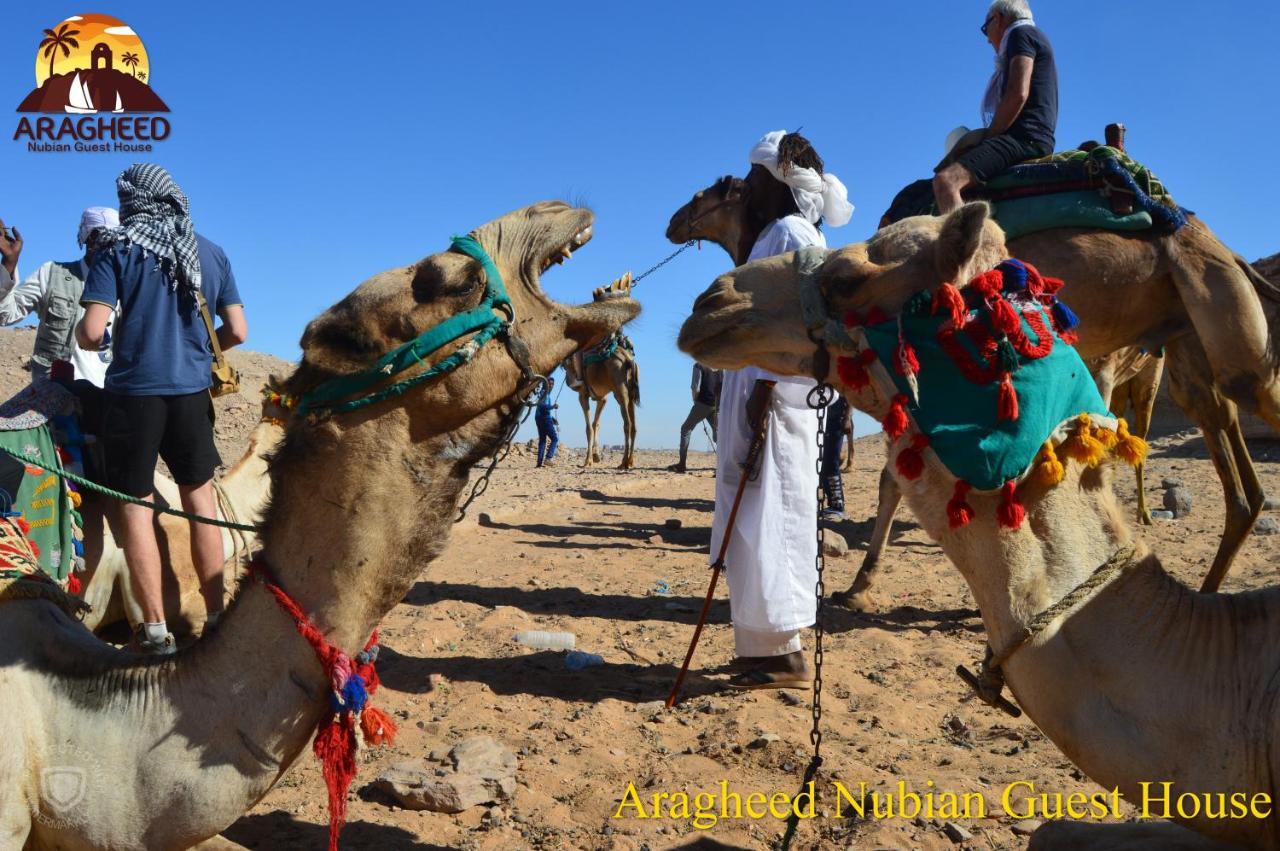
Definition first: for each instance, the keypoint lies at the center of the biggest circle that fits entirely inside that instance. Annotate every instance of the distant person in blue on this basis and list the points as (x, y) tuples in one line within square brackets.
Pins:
[(1020, 107), (832, 442), (157, 401), (545, 420)]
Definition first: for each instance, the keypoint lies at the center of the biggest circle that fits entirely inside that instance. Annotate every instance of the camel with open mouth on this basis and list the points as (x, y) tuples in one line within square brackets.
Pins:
[(1134, 676), (363, 498)]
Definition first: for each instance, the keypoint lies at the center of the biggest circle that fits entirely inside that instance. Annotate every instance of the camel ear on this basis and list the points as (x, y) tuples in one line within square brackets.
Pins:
[(959, 242)]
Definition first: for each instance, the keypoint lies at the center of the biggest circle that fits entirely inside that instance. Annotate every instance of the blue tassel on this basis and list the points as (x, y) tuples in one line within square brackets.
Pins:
[(1064, 316), (365, 657), (355, 694), (1015, 275)]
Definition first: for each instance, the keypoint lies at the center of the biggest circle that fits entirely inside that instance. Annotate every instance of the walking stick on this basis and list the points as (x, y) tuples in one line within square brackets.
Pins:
[(748, 470)]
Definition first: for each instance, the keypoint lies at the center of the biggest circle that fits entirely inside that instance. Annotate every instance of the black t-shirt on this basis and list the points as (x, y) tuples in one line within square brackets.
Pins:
[(1039, 116)]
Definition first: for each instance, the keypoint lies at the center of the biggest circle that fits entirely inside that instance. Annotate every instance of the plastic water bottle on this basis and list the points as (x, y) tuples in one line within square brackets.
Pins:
[(540, 640), (576, 660)]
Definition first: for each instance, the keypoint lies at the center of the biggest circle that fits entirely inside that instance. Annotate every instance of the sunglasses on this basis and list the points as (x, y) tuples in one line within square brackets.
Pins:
[(987, 24)]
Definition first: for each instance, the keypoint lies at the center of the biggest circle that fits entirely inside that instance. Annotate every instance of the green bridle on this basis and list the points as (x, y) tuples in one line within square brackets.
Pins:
[(492, 317)]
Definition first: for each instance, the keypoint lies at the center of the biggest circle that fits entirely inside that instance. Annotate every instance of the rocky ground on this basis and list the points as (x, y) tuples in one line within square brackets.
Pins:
[(619, 559)]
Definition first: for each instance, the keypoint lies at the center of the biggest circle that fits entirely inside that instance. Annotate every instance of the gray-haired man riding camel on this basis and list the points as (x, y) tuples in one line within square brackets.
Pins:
[(1020, 107)]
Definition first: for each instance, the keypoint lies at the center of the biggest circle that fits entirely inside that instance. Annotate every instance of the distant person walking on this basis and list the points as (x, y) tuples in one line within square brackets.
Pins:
[(548, 426), (157, 386), (832, 442), (706, 401)]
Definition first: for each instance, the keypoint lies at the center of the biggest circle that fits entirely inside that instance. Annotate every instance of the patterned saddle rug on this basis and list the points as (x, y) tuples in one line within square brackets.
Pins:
[(1100, 188)]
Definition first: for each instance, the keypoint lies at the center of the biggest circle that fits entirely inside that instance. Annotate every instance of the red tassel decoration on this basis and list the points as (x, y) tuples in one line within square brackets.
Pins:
[(959, 511), (947, 299), (377, 726), (876, 316), (988, 284), (1005, 318), (1011, 513), (73, 585), (853, 371), (24, 526), (895, 422), (910, 461), (1007, 403), (852, 319), (335, 749), (907, 361)]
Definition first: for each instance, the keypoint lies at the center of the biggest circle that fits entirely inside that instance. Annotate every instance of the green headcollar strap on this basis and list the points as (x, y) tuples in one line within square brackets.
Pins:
[(485, 318)]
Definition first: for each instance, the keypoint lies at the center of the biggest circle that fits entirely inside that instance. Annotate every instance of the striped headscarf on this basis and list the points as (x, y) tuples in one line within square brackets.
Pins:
[(155, 215)]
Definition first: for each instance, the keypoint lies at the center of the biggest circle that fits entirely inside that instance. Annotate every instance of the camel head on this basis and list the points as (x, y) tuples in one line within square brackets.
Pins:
[(752, 315), (714, 214), (396, 306)]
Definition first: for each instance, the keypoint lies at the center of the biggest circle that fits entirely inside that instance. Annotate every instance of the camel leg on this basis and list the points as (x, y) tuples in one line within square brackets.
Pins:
[(596, 455), (859, 597), (1190, 385), (1231, 321), (628, 428), (585, 400), (1142, 392)]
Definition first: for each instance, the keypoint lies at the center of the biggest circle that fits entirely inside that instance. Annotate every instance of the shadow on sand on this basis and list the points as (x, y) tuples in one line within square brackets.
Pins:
[(280, 831)]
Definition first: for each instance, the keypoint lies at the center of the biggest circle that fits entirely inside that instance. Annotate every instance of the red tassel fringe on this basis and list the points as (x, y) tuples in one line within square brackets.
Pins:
[(1005, 318), (910, 462), (1007, 404), (73, 585), (959, 511), (947, 299), (853, 371), (895, 422), (1011, 513), (908, 362)]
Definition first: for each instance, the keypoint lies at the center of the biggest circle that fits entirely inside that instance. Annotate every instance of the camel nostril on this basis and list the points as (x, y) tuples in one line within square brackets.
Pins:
[(716, 292)]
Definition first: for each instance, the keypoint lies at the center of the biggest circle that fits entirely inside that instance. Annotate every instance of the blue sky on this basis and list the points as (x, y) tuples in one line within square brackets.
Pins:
[(322, 146)]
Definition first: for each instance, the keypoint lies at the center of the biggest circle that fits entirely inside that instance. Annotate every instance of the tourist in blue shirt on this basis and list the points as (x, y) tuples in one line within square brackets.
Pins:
[(545, 420), (157, 387)]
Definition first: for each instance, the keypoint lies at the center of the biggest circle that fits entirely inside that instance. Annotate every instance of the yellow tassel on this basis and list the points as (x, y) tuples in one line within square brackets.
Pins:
[(1106, 437), (1082, 446), (1049, 470), (1130, 448), (75, 499)]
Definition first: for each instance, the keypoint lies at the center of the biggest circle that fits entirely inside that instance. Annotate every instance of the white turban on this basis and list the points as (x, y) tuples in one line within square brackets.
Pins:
[(819, 196), (96, 217)]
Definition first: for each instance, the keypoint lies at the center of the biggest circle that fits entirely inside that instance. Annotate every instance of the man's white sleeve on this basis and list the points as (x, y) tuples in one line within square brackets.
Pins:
[(18, 302)]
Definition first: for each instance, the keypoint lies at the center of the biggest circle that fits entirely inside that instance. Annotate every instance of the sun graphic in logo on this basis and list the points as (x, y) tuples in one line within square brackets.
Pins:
[(92, 63)]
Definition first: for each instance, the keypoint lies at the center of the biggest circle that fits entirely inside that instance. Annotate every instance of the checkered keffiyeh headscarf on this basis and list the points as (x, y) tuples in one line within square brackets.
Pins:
[(155, 215)]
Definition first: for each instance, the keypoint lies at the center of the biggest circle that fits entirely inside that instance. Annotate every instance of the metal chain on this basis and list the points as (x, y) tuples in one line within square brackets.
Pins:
[(528, 403), (819, 398), (672, 256)]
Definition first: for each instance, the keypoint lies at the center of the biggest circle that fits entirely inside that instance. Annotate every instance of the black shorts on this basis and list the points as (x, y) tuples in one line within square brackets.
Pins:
[(136, 430), (994, 156)]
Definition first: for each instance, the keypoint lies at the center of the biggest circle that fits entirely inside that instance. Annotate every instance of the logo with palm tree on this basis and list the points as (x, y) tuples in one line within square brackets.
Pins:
[(91, 64)]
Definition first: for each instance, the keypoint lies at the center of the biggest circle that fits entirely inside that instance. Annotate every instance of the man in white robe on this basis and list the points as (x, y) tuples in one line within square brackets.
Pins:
[(770, 562)]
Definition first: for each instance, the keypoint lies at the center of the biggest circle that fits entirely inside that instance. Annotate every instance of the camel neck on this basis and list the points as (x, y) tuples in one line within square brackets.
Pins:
[(1108, 681)]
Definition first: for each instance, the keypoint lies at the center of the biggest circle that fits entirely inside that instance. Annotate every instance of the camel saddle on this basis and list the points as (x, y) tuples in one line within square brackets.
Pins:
[(1094, 186)]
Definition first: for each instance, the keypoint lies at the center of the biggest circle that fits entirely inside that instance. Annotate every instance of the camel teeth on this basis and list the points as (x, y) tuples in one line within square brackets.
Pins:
[(566, 253)]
